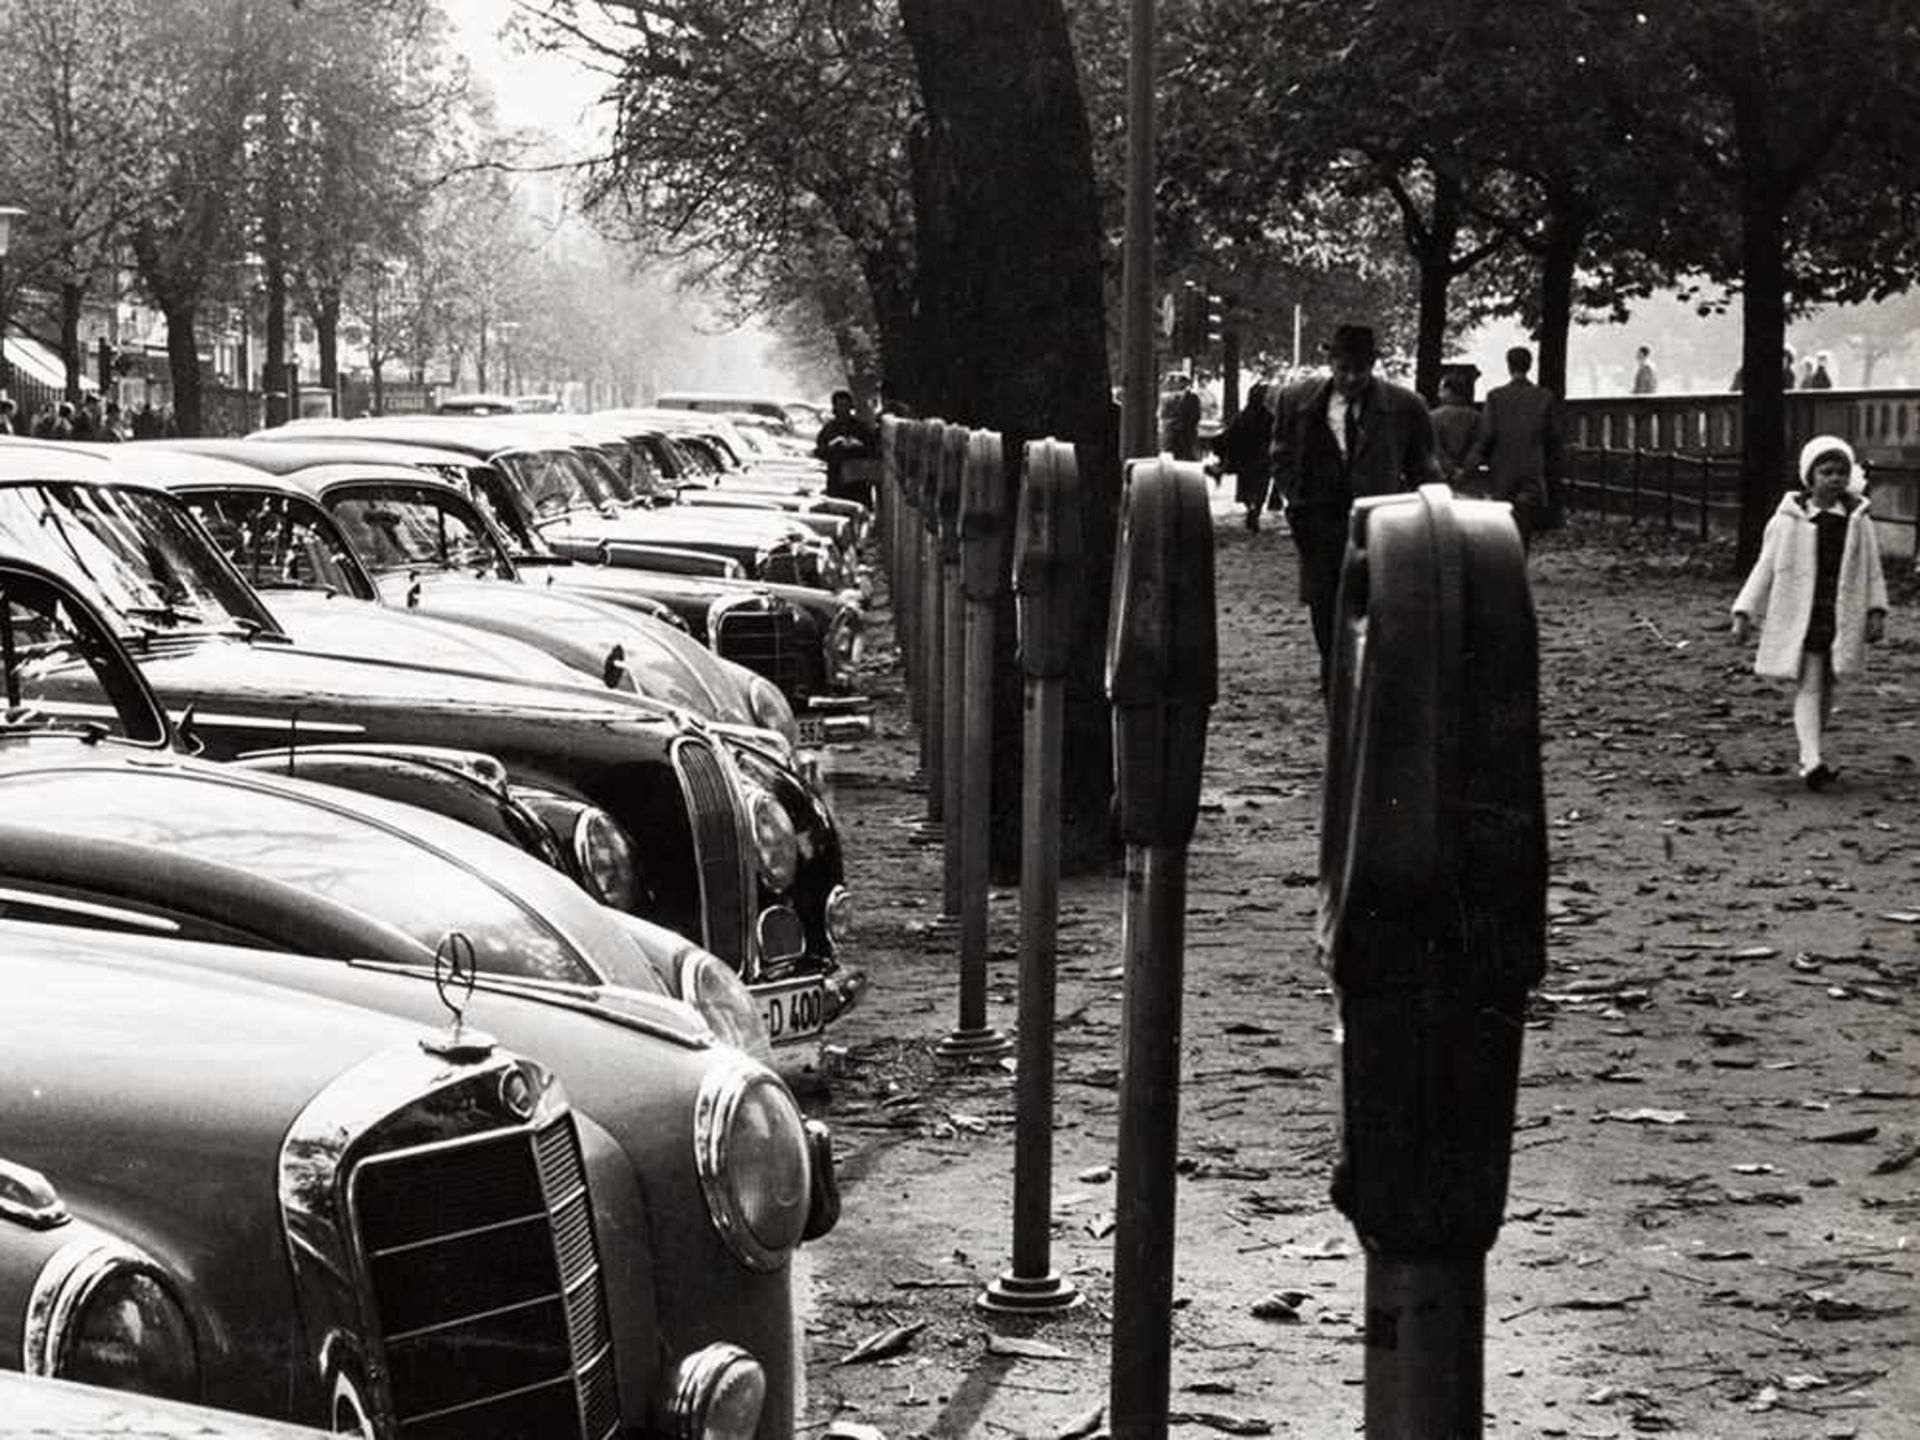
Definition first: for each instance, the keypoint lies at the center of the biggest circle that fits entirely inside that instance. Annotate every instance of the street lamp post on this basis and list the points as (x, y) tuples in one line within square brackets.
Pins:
[(8, 214)]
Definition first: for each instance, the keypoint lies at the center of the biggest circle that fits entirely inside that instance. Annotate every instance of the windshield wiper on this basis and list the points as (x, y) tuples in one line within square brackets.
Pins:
[(167, 612)]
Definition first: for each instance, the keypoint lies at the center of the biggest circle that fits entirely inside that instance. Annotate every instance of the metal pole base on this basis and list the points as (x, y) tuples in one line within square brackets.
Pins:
[(927, 832), (986, 1043), (1426, 1357), (1012, 1294)]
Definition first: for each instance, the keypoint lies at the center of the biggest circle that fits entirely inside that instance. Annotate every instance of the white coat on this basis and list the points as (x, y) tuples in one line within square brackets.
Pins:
[(1779, 592)]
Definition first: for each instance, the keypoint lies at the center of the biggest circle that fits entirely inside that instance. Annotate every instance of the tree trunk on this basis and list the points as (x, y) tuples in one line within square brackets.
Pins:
[(326, 329), (889, 281), (183, 365), (1013, 329), (1565, 234), (1763, 406), (71, 296), (1434, 255)]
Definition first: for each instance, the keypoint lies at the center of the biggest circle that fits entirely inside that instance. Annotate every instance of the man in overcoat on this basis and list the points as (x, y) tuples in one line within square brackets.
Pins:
[(1521, 442), (1335, 439)]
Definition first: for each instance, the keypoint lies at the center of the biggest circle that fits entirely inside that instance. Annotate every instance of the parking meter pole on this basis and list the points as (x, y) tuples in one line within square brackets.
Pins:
[(1162, 679), (884, 506), (953, 660), (906, 550), (1433, 873), (1047, 562), (980, 525)]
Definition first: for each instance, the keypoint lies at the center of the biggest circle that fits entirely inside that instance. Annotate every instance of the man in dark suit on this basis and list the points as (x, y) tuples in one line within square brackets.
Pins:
[(1335, 439), (1521, 442)]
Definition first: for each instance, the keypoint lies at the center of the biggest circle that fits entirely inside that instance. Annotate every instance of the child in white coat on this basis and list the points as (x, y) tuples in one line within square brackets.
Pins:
[(1818, 591)]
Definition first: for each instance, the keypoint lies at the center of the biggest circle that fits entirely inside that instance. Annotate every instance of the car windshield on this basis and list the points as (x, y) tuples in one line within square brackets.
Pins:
[(137, 553), (666, 457), (701, 457), (552, 482), (60, 671), (403, 527), (280, 542)]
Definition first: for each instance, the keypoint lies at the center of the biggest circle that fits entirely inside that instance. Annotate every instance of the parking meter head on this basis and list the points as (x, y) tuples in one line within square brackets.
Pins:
[(950, 462), (983, 517), (1433, 865), (913, 444), (1049, 551), (1163, 671)]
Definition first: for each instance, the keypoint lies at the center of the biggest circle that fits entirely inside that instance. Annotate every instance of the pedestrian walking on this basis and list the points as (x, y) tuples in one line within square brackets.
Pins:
[(1246, 451), (1335, 439), (1645, 379), (7, 426), (1180, 417), (146, 422), (1456, 433), (845, 437), (1521, 442), (1822, 376), (1818, 592), (1787, 377)]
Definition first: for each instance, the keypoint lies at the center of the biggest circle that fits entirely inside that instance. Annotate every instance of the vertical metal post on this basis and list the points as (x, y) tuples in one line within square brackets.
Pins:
[(1162, 677), (933, 609), (953, 662), (906, 543), (1137, 418), (980, 527), (1049, 552)]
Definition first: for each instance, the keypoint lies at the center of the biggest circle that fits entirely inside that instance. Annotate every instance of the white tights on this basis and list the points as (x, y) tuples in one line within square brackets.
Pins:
[(1812, 707)]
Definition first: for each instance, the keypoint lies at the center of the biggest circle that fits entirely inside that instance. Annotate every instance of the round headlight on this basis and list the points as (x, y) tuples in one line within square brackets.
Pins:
[(774, 842), (843, 640), (771, 710), (724, 1002), (750, 1147), (605, 859), (840, 915), (101, 1314), (718, 1392)]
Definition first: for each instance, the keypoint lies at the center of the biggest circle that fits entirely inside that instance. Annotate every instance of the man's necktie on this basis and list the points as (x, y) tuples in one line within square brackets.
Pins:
[(1352, 428)]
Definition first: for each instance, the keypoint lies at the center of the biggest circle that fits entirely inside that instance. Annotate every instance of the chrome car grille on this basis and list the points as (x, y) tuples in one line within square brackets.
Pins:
[(718, 849), (766, 641), (489, 1303), (791, 564)]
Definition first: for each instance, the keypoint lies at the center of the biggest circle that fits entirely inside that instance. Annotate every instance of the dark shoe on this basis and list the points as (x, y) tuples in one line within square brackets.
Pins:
[(1820, 777), (1253, 520)]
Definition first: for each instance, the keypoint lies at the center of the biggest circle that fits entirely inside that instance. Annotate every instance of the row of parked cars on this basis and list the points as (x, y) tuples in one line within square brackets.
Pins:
[(417, 896)]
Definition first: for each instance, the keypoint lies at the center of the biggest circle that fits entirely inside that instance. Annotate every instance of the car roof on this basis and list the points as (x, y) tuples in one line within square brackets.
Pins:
[(303, 450), (476, 434), (50, 460), (311, 470)]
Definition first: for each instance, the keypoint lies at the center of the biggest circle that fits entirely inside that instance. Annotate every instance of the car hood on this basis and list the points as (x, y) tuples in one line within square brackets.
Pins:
[(581, 631), (340, 625), (307, 837), (217, 672), (763, 527), (142, 1089)]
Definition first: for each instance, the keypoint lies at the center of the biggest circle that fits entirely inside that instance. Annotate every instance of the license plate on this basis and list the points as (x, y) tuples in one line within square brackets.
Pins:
[(792, 1010), (813, 731)]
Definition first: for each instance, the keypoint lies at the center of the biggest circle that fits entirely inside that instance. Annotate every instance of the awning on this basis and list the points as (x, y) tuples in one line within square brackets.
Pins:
[(37, 362)]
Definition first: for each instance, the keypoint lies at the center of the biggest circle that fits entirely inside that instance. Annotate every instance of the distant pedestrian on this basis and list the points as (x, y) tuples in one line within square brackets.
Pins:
[(1335, 439), (1180, 417), (1246, 452), (1822, 376), (1645, 379), (1456, 434), (6, 416), (1521, 442), (846, 437), (113, 428), (146, 422), (1805, 379), (1818, 592), (1787, 377), (86, 419)]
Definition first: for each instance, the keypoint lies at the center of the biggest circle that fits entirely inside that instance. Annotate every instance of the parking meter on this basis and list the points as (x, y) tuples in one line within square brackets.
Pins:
[(1433, 924), (979, 526), (950, 462), (1162, 679), (886, 508), (1048, 562), (905, 531)]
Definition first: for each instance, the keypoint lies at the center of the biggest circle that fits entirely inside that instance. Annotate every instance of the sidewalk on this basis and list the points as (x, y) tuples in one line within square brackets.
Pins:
[(1715, 1191)]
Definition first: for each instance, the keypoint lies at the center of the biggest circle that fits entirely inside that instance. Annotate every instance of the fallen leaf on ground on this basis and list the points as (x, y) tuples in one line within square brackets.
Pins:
[(1098, 1175), (1646, 1115), (1283, 1306), (1902, 917), (1723, 1255), (1211, 1387), (1082, 1425), (1899, 1160), (887, 1342), (1028, 1349), (1231, 1424), (852, 1430), (1100, 1226), (1858, 1135), (1601, 1302)]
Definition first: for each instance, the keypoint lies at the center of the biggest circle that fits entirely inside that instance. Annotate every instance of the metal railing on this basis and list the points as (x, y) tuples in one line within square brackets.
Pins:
[(1698, 494)]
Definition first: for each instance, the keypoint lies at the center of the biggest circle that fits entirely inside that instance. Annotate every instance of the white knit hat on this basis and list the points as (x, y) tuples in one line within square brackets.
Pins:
[(1832, 445)]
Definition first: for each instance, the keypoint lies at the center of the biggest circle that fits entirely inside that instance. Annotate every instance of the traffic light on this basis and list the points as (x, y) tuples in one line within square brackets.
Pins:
[(1200, 319), (106, 364), (1215, 317)]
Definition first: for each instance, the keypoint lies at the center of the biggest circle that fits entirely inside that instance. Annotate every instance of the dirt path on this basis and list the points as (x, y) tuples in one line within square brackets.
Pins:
[(1714, 1190)]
